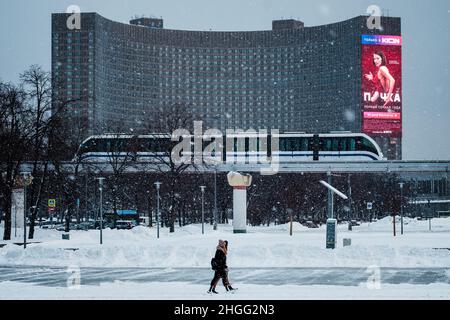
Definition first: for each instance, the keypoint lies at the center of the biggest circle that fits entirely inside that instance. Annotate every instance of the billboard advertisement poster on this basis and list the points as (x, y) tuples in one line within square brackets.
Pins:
[(381, 66)]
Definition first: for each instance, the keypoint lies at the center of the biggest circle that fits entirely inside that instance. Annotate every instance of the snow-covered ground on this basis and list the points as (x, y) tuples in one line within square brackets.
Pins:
[(262, 247), (187, 291), (371, 244)]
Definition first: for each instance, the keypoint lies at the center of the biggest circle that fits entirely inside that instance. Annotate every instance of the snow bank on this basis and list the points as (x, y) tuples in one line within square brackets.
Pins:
[(372, 244)]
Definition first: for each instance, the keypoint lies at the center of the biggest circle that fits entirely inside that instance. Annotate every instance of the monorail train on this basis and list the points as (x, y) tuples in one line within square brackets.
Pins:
[(236, 148)]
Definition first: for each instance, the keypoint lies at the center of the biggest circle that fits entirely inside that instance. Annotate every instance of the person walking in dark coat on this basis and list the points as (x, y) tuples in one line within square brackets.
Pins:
[(221, 270)]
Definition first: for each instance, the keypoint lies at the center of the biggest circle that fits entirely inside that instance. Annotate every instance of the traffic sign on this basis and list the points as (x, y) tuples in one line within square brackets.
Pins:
[(369, 205), (51, 203)]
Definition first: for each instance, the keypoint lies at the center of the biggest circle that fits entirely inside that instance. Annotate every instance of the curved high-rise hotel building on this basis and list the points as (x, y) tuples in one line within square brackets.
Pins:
[(291, 78)]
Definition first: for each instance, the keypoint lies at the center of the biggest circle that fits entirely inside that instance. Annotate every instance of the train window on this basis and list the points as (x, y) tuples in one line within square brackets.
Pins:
[(289, 144), (327, 144), (94, 145), (340, 144), (109, 145), (168, 145), (153, 145), (102, 145), (368, 146), (352, 144), (149, 145), (89, 146), (303, 144), (159, 145), (362, 144), (295, 144), (335, 144), (359, 146), (121, 145), (345, 144), (141, 144), (283, 146)]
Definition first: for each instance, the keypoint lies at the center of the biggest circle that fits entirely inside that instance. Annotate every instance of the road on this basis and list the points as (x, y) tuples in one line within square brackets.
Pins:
[(57, 276)]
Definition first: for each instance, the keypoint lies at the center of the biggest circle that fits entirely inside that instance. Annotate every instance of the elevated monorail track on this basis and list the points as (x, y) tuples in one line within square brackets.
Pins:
[(274, 168)]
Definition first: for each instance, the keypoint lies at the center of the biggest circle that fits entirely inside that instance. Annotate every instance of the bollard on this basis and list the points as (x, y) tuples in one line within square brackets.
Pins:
[(347, 242)]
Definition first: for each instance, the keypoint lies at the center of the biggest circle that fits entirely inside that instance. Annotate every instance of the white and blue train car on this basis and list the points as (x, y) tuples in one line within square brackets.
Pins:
[(236, 148)]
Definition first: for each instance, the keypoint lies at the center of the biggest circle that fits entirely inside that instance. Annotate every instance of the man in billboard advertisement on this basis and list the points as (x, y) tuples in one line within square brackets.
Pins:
[(382, 85)]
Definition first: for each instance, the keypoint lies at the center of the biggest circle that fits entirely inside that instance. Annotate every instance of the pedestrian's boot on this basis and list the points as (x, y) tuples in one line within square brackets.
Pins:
[(230, 288), (212, 290)]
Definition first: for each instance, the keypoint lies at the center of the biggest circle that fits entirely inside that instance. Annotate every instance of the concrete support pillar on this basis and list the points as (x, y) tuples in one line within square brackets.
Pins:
[(239, 182), (240, 210), (18, 205)]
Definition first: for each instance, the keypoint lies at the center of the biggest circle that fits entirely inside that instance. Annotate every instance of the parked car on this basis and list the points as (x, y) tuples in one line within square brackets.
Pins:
[(144, 221), (310, 224), (47, 224), (85, 226), (96, 225), (125, 224), (62, 227), (354, 223)]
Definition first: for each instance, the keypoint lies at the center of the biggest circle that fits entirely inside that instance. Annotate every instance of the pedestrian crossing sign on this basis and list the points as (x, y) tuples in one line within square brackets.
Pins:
[(51, 203)]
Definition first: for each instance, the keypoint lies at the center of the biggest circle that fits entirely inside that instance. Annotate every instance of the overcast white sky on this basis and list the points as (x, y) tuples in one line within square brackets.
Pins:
[(25, 28)]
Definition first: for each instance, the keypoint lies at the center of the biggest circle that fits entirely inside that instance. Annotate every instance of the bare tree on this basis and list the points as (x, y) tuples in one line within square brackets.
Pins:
[(171, 118), (14, 140), (63, 143), (37, 85)]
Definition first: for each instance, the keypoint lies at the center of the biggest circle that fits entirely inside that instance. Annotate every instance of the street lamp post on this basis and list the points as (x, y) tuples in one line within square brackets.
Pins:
[(349, 204), (86, 218), (26, 179), (25, 215), (330, 198), (203, 209), (15, 221), (157, 185), (78, 210), (150, 218), (215, 198), (429, 214), (331, 222), (100, 181), (401, 206)]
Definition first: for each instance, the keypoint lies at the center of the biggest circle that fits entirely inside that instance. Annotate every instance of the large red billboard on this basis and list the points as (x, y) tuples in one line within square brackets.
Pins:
[(382, 85)]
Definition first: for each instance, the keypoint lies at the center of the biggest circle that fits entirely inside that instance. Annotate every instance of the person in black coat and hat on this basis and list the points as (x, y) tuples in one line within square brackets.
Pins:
[(221, 270)]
